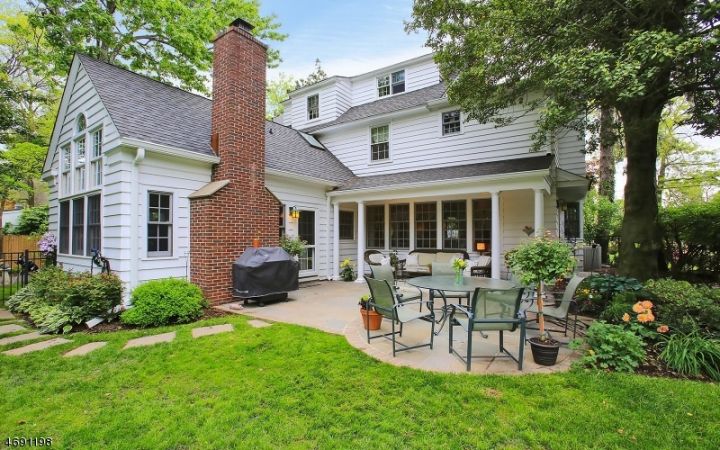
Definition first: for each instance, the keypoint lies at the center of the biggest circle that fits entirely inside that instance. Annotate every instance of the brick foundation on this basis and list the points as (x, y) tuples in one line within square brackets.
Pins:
[(224, 224)]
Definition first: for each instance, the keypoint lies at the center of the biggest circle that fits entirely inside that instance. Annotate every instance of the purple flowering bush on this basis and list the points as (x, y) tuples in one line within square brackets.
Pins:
[(47, 243)]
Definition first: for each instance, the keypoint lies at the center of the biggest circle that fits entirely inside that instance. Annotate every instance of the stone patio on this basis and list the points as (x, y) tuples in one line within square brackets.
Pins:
[(332, 306)]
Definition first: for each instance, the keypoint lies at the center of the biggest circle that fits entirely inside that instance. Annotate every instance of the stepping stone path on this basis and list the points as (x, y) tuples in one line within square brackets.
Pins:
[(7, 329), (36, 346), (5, 315), (85, 349), (208, 331), (20, 338), (258, 323), (150, 340)]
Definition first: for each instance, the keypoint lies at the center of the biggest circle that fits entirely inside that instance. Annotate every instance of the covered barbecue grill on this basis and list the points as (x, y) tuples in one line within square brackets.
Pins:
[(264, 274)]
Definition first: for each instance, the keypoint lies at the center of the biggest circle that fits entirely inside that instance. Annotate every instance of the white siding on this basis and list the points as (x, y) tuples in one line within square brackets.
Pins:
[(417, 143), (570, 152), (418, 75), (334, 100), (306, 196)]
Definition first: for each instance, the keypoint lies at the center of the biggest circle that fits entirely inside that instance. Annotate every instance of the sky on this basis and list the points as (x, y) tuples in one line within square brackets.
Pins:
[(349, 37)]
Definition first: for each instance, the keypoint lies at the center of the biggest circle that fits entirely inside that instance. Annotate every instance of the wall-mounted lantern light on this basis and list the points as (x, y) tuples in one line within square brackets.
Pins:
[(294, 212)]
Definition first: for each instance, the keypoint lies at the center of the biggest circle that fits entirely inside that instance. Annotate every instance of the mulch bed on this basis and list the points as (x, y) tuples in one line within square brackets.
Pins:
[(654, 367), (115, 325)]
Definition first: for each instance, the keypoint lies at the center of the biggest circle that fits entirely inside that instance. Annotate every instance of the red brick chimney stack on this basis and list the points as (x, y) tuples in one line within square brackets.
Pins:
[(225, 222)]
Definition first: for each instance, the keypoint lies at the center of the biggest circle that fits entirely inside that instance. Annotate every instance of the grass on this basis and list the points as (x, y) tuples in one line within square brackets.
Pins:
[(292, 387)]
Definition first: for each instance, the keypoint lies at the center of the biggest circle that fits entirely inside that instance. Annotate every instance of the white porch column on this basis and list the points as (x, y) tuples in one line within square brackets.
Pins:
[(581, 219), (470, 241), (336, 242), (360, 242), (387, 227), (438, 225), (495, 235), (539, 212), (411, 218)]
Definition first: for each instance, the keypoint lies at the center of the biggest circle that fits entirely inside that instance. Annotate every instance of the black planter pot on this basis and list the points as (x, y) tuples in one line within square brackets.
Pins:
[(544, 353)]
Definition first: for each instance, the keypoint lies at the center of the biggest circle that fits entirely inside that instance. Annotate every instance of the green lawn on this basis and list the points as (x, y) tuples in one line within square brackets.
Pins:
[(292, 387)]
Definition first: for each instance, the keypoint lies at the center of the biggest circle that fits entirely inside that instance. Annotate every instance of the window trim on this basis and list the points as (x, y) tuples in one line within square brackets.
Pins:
[(170, 253), (92, 160), (390, 85), (460, 131), (308, 110), (370, 144)]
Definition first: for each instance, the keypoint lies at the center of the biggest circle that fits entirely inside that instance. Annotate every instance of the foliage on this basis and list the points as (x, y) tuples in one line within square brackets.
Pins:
[(32, 221), (690, 236), (327, 389), (611, 347), (277, 92), (163, 302), (542, 259), (602, 217), (293, 245), (692, 354), (612, 312), (364, 299), (597, 291), (685, 307), (56, 300), (502, 58), (47, 244), (165, 39), (459, 264), (316, 76), (20, 166), (346, 270)]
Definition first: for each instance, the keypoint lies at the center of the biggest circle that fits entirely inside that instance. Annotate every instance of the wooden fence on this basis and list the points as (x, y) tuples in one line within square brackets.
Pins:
[(17, 243)]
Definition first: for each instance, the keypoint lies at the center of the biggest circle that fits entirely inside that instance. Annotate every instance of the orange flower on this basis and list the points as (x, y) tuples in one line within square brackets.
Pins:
[(663, 329), (647, 304), (638, 308), (642, 318), (626, 317), (650, 316)]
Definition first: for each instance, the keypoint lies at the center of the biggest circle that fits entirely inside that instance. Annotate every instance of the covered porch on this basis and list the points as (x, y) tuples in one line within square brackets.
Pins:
[(487, 214)]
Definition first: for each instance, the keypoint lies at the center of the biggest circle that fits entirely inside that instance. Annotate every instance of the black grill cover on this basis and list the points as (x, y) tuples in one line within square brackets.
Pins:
[(264, 271)]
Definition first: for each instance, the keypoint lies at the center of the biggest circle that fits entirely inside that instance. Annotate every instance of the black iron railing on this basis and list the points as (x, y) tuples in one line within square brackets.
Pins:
[(16, 269)]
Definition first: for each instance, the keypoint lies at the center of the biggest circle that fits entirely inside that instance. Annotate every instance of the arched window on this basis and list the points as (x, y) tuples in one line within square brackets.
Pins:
[(80, 123)]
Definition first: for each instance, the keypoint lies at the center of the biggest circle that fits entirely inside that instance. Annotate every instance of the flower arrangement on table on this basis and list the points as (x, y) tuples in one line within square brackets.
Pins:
[(459, 265)]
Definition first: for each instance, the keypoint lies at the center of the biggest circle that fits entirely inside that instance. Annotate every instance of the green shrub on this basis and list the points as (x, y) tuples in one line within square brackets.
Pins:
[(32, 221), (618, 307), (611, 347), (596, 292), (56, 300), (692, 354), (163, 302), (685, 307)]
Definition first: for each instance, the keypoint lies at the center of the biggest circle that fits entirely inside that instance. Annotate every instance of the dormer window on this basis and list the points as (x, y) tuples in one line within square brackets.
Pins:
[(392, 83), (313, 107), (80, 123)]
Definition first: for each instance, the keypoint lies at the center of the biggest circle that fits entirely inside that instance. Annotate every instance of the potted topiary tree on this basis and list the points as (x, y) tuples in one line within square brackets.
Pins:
[(542, 260)]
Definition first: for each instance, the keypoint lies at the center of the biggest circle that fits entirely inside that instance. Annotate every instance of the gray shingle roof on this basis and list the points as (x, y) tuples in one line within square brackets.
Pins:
[(145, 109), (449, 173), (394, 103)]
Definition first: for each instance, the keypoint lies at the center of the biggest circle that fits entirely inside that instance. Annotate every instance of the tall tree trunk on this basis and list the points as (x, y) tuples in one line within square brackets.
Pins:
[(640, 236), (606, 169)]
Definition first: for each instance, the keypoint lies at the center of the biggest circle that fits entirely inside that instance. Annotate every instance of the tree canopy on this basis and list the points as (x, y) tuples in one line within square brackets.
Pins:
[(166, 39), (567, 58)]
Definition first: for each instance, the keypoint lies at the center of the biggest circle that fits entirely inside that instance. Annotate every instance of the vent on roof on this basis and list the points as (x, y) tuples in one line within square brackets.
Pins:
[(312, 141)]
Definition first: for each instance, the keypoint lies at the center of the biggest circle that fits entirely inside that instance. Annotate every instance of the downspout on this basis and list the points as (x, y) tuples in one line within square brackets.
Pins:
[(134, 218), (328, 256)]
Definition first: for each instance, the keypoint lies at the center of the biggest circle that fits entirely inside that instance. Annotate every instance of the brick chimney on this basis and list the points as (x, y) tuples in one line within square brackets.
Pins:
[(235, 208)]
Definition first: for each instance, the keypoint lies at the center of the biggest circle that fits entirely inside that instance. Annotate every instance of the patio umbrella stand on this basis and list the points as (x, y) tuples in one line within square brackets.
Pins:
[(264, 274)]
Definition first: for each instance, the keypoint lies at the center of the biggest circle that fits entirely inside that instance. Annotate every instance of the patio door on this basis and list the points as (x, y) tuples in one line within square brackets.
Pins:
[(306, 232)]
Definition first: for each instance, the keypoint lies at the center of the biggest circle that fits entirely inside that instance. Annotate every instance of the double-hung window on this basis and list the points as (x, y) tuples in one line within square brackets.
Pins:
[(80, 228), (66, 163), (400, 226), (450, 122), (392, 83), (313, 107), (375, 226), (159, 224), (454, 224), (347, 225), (380, 143), (572, 220), (80, 158), (425, 225), (78, 225), (482, 222), (96, 160)]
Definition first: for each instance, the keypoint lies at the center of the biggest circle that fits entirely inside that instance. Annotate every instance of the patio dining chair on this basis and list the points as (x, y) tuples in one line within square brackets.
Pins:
[(384, 301), (499, 311), (561, 312), (447, 269), (404, 293)]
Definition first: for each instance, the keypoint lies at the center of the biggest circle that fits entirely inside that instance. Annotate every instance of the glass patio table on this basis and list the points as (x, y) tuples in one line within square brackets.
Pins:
[(447, 283)]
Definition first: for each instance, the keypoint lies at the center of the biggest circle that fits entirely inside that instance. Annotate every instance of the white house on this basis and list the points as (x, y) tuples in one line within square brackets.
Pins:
[(380, 160)]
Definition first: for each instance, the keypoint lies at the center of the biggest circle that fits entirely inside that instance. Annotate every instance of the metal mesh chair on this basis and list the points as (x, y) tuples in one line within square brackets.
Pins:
[(384, 301), (489, 311), (404, 294), (561, 312)]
